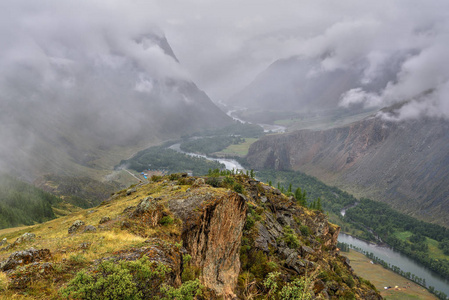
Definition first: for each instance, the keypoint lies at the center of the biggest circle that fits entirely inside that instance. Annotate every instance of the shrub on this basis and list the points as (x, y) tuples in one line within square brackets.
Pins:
[(125, 280), (187, 291), (174, 176), (249, 222), (305, 230), (156, 178), (290, 238), (213, 181), (165, 221), (238, 188), (229, 180), (297, 289)]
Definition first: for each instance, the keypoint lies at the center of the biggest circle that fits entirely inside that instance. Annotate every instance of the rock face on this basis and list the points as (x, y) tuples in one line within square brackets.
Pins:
[(212, 236), (388, 161)]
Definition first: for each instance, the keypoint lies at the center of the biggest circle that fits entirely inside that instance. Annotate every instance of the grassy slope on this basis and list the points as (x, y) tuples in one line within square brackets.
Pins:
[(434, 251), (238, 150), (381, 278), (65, 249)]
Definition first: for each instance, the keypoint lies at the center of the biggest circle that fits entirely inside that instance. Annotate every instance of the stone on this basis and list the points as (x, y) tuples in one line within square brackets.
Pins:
[(318, 286), (26, 237), (198, 182), (75, 226), (84, 246), (144, 206), (125, 225), (130, 191), (90, 228), (3, 242), (306, 250), (104, 220), (263, 239), (20, 258)]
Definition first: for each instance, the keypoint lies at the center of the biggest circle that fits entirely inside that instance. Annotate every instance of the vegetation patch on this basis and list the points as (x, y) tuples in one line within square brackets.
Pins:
[(161, 158)]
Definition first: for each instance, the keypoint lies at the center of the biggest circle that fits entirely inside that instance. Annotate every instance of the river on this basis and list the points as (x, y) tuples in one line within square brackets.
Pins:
[(395, 258), (230, 164), (266, 127)]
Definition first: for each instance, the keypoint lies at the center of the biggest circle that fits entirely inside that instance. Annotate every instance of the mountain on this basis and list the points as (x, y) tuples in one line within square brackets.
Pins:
[(183, 237), (75, 110), (404, 163), (303, 85)]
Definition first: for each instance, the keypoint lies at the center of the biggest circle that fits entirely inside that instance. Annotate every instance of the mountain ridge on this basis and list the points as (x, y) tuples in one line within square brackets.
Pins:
[(393, 162)]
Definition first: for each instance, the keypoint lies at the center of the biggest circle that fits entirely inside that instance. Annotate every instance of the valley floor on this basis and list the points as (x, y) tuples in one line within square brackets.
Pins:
[(382, 277)]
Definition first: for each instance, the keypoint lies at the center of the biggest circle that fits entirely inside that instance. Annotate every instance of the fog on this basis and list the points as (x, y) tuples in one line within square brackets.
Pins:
[(101, 70)]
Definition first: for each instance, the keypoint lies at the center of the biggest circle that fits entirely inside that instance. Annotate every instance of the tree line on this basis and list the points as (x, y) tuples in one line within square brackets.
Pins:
[(23, 204)]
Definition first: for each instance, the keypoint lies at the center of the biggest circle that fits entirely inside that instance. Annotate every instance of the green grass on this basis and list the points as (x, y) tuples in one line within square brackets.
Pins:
[(403, 236), (240, 149), (434, 251)]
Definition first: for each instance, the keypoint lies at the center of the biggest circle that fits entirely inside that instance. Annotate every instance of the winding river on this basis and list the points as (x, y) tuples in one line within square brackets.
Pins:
[(395, 258), (229, 163)]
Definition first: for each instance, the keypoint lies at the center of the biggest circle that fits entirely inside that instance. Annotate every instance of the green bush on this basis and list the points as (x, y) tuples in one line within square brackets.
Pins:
[(305, 230), (290, 238), (125, 280), (298, 289), (174, 176), (229, 181), (213, 181), (249, 222), (187, 291), (165, 221), (238, 188)]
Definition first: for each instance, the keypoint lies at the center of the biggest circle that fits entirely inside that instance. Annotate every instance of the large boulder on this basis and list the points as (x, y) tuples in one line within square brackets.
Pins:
[(76, 226), (20, 258)]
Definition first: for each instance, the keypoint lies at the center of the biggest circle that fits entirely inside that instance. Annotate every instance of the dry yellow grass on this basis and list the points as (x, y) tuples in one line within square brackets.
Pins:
[(81, 249)]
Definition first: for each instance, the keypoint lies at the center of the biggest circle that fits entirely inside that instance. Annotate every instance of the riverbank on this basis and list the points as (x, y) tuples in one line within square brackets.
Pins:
[(381, 277)]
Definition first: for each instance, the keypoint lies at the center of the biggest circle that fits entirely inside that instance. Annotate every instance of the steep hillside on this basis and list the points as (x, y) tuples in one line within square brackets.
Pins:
[(403, 163), (180, 237), (88, 109)]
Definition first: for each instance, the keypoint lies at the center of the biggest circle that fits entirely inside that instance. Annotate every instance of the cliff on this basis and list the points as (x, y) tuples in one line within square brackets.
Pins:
[(402, 163), (183, 237)]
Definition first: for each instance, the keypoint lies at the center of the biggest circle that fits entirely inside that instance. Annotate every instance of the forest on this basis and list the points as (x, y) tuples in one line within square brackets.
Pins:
[(161, 158), (24, 204)]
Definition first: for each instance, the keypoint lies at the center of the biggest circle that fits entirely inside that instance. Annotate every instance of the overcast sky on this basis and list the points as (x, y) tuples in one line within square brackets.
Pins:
[(223, 45)]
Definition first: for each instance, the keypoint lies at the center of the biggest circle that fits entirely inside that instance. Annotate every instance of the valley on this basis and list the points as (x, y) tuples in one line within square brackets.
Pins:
[(227, 150)]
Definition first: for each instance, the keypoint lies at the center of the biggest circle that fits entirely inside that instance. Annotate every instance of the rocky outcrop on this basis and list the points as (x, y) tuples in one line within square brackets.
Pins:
[(211, 233), (77, 225), (388, 161), (24, 257)]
